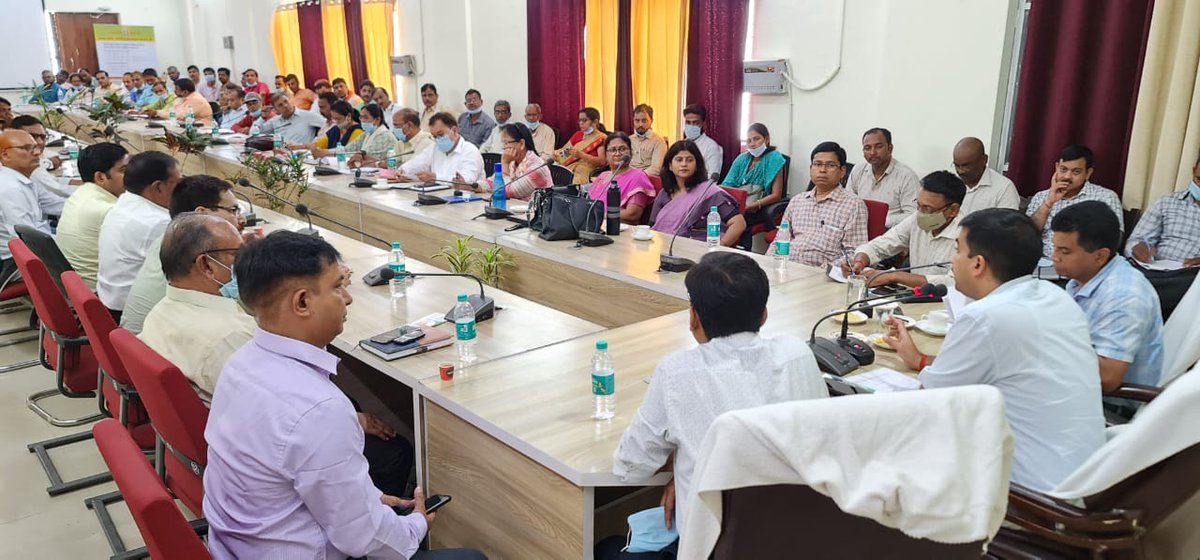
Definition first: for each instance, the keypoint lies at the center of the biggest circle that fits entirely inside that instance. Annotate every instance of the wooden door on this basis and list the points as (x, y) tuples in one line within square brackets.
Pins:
[(74, 39)]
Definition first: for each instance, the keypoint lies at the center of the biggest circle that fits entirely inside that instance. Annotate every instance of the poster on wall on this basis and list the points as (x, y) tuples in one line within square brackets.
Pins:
[(125, 48)]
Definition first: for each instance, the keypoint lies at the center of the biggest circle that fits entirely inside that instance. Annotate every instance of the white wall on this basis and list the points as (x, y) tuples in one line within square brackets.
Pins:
[(247, 21), (931, 71), (164, 15), (464, 44)]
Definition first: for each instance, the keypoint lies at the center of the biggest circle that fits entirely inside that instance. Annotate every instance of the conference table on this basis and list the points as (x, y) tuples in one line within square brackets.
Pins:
[(511, 437)]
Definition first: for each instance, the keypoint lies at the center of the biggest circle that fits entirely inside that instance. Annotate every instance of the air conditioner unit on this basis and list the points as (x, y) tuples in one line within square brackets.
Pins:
[(764, 76), (404, 65)]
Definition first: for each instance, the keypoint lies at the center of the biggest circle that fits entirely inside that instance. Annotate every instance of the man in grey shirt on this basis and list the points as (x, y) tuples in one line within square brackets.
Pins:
[(297, 128), (474, 125)]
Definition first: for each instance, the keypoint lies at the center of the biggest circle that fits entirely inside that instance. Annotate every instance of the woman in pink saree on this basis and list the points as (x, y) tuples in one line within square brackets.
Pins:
[(637, 192)]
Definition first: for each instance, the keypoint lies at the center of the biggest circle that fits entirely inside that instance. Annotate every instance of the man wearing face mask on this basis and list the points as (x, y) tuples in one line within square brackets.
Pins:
[(474, 125), (648, 147), (543, 136), (929, 235), (197, 194), (1170, 228), (253, 115), (411, 141), (234, 98), (503, 112), (450, 158), (694, 117), (207, 86)]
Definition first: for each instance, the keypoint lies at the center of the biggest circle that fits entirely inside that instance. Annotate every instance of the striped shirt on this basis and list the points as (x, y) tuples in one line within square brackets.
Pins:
[(1124, 318), (1172, 226), (825, 231), (1090, 191)]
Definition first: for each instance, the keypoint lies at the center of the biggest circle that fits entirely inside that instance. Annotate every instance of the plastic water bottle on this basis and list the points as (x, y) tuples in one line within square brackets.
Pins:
[(783, 245), (171, 114), (190, 120), (499, 197), (215, 130), (464, 330), (604, 378), (714, 228), (340, 153), (72, 150), (277, 140), (391, 158), (399, 281)]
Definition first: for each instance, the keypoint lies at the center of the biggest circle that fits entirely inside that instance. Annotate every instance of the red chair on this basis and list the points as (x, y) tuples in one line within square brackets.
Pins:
[(166, 532), (177, 413), (64, 350), (739, 195), (876, 218), (13, 292), (657, 182), (116, 389)]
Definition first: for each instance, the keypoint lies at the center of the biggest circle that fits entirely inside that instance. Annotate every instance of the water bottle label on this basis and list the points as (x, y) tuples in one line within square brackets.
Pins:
[(391, 163), (341, 156), (714, 230), (397, 268), (603, 382), (782, 247), (464, 330)]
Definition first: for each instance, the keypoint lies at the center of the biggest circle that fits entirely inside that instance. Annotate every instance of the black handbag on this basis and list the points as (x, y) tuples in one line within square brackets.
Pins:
[(560, 214)]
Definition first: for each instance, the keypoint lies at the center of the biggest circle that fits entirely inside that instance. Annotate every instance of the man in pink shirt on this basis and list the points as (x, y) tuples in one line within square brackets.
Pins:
[(187, 98)]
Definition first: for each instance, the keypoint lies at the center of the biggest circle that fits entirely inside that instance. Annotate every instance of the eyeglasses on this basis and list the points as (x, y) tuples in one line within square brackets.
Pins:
[(513, 142), (211, 251), (231, 209), (619, 150), (827, 165), (41, 137)]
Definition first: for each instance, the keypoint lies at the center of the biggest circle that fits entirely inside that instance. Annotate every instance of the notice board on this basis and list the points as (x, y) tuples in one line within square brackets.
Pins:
[(125, 48)]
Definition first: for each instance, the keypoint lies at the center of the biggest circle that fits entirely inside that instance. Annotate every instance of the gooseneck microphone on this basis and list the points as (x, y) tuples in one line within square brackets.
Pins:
[(843, 355), (669, 262), (309, 231), (251, 217), (302, 209), (484, 306)]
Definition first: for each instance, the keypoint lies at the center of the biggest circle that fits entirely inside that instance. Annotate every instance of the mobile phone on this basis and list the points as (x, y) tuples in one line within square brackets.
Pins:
[(432, 503), (402, 335)]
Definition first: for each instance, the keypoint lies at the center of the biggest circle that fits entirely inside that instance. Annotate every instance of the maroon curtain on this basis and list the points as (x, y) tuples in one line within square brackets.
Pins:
[(555, 31), (1079, 81), (354, 39), (312, 42), (622, 119), (716, 41)]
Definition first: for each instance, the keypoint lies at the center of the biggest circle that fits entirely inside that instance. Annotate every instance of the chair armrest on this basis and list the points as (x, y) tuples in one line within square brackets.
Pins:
[(1065, 522), (1133, 391), (775, 210)]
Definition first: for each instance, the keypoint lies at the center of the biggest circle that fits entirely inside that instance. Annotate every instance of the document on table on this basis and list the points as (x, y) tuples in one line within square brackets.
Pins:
[(884, 380), (1162, 265), (835, 273)]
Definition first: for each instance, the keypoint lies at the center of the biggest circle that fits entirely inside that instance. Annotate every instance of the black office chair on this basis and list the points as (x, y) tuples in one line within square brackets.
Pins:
[(216, 109), (46, 249), (489, 162), (561, 175)]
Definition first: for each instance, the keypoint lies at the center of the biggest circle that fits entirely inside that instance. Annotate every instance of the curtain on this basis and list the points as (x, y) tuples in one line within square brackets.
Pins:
[(1166, 125), (622, 117), (377, 29), (716, 39), (1078, 85), (285, 41), (312, 42), (603, 23), (354, 41), (658, 46), (556, 75), (337, 48)]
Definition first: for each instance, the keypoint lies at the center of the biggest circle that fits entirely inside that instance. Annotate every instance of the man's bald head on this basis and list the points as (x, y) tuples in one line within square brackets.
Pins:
[(19, 151), (970, 160)]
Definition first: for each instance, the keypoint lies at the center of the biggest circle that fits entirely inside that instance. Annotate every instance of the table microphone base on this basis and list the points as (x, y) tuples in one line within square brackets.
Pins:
[(484, 306), (857, 349), (309, 231), (671, 263), (593, 239), (494, 213), (428, 200)]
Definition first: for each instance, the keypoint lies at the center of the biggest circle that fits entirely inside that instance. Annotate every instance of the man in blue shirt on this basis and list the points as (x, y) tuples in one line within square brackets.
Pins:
[(1122, 308), (49, 89)]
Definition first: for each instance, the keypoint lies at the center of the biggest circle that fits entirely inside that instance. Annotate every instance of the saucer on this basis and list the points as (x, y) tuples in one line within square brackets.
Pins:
[(647, 237), (909, 322), (878, 341), (928, 328)]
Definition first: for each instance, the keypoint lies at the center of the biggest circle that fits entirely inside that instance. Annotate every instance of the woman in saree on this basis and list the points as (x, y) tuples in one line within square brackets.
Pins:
[(687, 197), (584, 152), (637, 193)]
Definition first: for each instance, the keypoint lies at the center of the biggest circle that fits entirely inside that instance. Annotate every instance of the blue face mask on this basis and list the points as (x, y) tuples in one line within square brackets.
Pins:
[(210, 79), (648, 531), (532, 125), (230, 288), (399, 134), (474, 111), (590, 130), (691, 131), (759, 151), (443, 143), (368, 127), (1194, 190), (256, 113)]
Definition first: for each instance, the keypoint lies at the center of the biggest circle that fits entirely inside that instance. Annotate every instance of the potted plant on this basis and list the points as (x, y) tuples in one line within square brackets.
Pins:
[(488, 264), (281, 176), (107, 113), (190, 141)]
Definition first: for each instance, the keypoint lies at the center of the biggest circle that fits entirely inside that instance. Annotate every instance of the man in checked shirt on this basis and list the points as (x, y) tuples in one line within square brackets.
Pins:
[(827, 222), (1170, 228)]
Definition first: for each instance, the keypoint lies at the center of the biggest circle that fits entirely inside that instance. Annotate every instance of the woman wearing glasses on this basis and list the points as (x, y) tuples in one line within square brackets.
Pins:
[(637, 193)]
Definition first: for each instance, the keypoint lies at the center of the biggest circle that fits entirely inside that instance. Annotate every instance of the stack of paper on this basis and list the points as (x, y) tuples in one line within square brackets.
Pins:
[(884, 380)]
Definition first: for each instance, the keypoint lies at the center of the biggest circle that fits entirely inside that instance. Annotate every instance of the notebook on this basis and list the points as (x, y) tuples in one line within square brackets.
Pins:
[(431, 340)]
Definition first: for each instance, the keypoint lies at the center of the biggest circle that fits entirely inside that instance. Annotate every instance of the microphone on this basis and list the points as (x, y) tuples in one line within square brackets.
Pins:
[(669, 262), (844, 355), (924, 293), (484, 306), (251, 217), (309, 231)]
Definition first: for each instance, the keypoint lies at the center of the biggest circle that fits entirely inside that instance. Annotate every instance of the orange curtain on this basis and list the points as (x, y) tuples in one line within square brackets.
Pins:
[(658, 49), (285, 41), (378, 27), (600, 59), (337, 48)]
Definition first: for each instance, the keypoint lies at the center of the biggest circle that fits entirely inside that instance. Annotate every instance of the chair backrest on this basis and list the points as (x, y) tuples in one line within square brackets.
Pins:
[(176, 411), (1170, 285), (489, 163), (657, 182), (97, 323), (1181, 334), (44, 246), (876, 218), (216, 108), (561, 175), (739, 195), (786, 171), (764, 521), (52, 308), (1157, 491), (165, 530)]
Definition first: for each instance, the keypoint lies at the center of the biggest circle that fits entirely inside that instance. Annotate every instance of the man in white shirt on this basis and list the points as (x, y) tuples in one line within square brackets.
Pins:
[(543, 136), (503, 112), (732, 369), (694, 117), (450, 158), (108, 86), (1024, 336), (884, 178), (929, 236), (134, 224), (384, 101), (58, 187), (22, 201), (1070, 184), (411, 141), (207, 86), (985, 187), (297, 128), (235, 106)]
